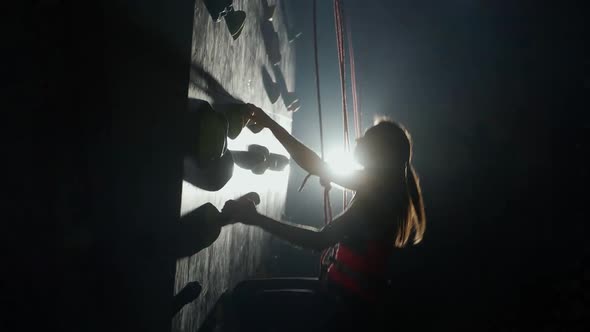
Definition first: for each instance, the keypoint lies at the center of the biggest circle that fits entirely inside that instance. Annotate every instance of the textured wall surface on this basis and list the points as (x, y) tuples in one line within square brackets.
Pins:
[(237, 65)]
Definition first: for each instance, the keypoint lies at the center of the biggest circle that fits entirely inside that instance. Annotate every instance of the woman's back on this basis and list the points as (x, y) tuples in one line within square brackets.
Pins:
[(358, 263)]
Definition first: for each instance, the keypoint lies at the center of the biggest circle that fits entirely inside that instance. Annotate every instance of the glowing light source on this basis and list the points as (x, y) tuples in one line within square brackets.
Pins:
[(342, 162)]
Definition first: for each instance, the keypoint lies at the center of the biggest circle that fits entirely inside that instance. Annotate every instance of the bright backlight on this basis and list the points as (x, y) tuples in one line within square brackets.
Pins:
[(342, 162)]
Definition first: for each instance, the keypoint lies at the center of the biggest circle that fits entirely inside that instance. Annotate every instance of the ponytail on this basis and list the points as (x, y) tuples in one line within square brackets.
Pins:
[(387, 136), (413, 217), (417, 213)]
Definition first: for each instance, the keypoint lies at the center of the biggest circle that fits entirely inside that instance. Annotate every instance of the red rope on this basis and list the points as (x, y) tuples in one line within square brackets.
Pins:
[(340, 24), (339, 27), (339, 21)]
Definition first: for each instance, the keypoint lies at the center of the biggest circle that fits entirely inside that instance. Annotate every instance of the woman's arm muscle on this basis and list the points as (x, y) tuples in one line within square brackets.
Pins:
[(309, 237)]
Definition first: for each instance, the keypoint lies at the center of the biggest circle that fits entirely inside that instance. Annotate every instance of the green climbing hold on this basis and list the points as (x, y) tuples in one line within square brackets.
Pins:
[(236, 118), (213, 130)]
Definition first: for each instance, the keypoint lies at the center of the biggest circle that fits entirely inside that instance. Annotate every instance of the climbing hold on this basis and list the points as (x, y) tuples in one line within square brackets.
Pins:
[(218, 8), (251, 196), (197, 230), (255, 128), (291, 101), (247, 159), (259, 149), (259, 169), (269, 12), (224, 9), (235, 22), (205, 132), (277, 162), (188, 294), (237, 118), (271, 42), (262, 160), (272, 88), (210, 177), (212, 137), (294, 107)]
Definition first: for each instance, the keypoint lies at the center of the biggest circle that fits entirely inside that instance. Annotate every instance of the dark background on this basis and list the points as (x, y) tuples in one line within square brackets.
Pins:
[(93, 95), (494, 94)]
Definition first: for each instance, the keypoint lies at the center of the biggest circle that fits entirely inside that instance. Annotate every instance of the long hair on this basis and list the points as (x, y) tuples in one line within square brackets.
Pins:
[(413, 218), (392, 146)]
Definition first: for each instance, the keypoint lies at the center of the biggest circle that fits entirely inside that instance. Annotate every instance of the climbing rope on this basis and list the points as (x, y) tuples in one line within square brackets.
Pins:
[(340, 30), (342, 68), (339, 27), (327, 204), (355, 102), (326, 185)]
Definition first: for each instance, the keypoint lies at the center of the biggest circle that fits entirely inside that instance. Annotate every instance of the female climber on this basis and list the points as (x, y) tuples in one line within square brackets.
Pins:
[(386, 212)]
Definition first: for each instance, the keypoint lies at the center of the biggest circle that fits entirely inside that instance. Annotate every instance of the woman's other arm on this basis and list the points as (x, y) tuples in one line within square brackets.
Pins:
[(299, 235)]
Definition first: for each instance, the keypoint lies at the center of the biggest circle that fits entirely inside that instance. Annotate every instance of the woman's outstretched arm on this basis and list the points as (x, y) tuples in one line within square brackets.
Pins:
[(301, 154), (304, 156)]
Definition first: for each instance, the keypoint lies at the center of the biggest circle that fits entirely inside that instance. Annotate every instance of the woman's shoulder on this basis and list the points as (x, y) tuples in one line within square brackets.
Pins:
[(369, 209), (379, 200)]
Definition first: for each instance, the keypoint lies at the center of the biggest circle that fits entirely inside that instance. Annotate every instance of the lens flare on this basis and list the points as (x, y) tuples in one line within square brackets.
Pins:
[(342, 162)]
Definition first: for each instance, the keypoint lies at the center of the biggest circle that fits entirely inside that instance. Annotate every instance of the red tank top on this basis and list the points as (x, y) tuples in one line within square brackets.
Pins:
[(361, 273)]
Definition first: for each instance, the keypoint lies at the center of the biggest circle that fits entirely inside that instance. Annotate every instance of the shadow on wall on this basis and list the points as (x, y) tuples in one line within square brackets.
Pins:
[(206, 82), (208, 164), (278, 87)]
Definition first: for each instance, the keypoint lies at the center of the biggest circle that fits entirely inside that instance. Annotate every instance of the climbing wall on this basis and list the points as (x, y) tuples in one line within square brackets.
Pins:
[(237, 65)]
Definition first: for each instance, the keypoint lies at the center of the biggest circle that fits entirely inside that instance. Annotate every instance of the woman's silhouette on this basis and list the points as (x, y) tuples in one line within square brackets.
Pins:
[(386, 212)]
